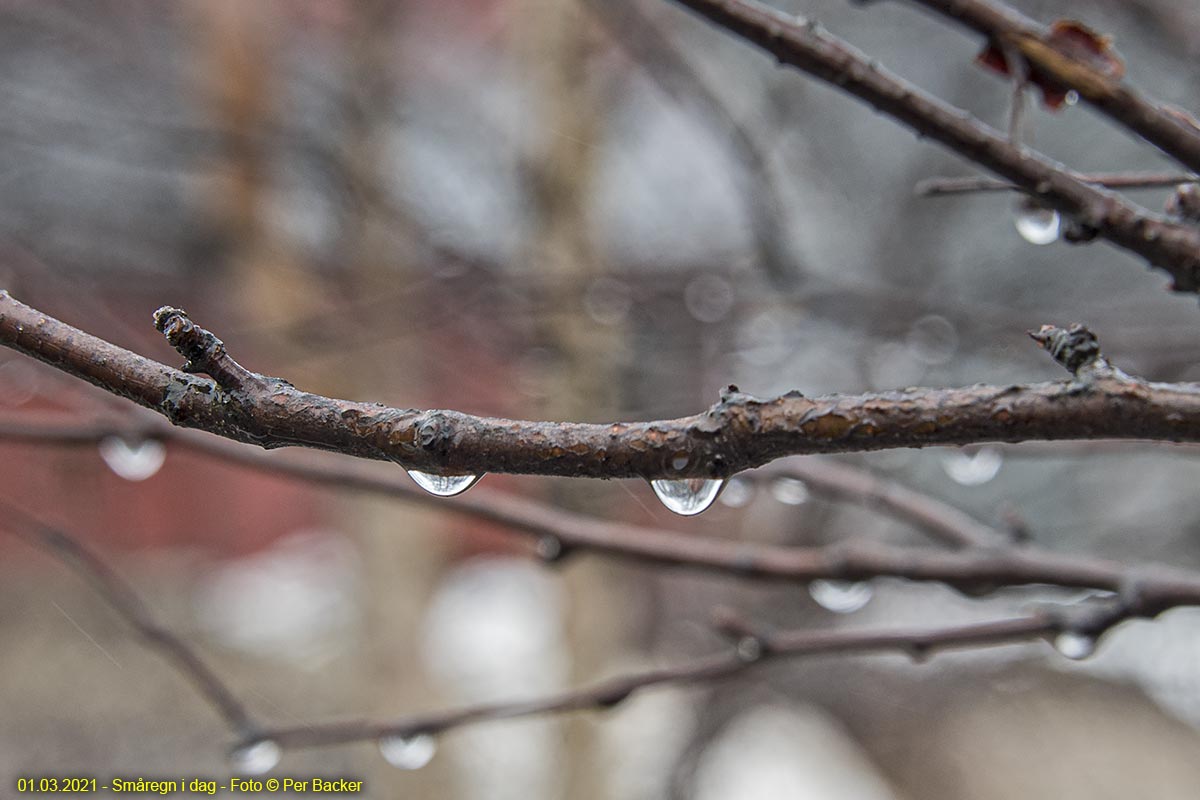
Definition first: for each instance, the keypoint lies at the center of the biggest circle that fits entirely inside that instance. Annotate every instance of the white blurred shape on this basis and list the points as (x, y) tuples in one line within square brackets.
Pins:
[(893, 365), (608, 301), (493, 628), (256, 758), (134, 461), (295, 601), (841, 597), (738, 492), (775, 753), (640, 741), (1075, 646), (408, 752), (1037, 225), (789, 491), (933, 339), (973, 469), (494, 631), (708, 298), (20, 381)]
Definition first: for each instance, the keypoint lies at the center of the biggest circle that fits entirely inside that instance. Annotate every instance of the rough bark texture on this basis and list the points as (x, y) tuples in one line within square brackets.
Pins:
[(1171, 247), (736, 433)]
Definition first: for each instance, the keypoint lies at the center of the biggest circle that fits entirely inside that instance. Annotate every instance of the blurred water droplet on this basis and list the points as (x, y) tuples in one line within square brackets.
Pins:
[(789, 491), (256, 758), (738, 492), (749, 649), (708, 298), (607, 301), (133, 462), (1075, 646), (933, 339), (408, 752), (1037, 224), (443, 485), (893, 365), (20, 382), (1071, 97), (549, 548), (841, 597), (973, 469), (688, 496)]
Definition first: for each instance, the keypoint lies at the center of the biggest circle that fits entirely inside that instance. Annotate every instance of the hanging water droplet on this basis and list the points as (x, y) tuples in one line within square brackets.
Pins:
[(133, 462), (687, 496), (1071, 97), (1074, 645), (789, 491), (256, 758), (408, 752), (841, 597), (443, 485), (973, 469), (738, 492), (1037, 224)]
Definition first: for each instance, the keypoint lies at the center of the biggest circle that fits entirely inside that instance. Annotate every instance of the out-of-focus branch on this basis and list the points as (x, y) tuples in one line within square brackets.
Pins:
[(1144, 593), (938, 519), (121, 597), (975, 570), (1113, 180), (1172, 247), (1171, 131), (669, 68), (737, 433)]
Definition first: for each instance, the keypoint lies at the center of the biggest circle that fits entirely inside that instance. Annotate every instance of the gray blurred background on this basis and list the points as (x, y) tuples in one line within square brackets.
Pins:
[(564, 209)]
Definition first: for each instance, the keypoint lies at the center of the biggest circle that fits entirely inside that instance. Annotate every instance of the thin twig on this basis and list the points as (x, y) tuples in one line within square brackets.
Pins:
[(756, 646), (668, 66), (1167, 245), (1172, 131), (121, 597), (1112, 180)]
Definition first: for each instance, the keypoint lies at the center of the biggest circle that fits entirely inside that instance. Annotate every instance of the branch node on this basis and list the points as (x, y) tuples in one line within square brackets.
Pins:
[(1075, 348), (206, 353)]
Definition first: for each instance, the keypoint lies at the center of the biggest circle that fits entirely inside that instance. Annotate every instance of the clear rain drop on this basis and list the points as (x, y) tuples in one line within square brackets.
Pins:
[(687, 496), (443, 485)]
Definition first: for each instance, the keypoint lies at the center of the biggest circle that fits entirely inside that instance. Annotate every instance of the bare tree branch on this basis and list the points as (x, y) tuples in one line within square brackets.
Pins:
[(755, 645), (938, 519), (737, 433), (975, 571), (1171, 131), (1169, 246), (125, 601), (640, 34)]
